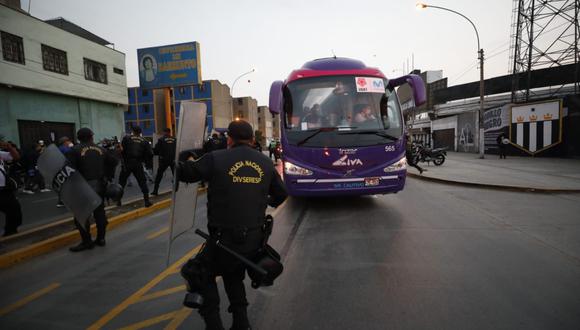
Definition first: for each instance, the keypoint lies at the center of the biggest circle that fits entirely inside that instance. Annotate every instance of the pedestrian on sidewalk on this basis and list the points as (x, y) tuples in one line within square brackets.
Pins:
[(502, 143), (92, 162), (412, 158), (9, 204), (33, 177)]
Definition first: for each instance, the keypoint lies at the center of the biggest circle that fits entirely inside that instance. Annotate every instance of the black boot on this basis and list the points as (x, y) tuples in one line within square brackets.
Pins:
[(213, 322), (240, 320), (82, 246), (146, 200)]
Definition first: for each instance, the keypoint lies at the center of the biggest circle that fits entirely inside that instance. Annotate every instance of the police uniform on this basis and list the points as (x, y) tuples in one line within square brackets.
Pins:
[(93, 163), (242, 183), (165, 149), (136, 151)]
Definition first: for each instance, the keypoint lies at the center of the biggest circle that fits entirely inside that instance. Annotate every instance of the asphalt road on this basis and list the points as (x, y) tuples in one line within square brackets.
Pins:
[(430, 257), (40, 208)]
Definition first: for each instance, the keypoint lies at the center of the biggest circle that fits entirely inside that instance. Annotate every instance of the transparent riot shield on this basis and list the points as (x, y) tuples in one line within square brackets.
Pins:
[(76, 194), (190, 136)]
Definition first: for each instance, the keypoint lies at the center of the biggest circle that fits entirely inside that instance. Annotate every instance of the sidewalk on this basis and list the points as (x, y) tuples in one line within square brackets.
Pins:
[(519, 173)]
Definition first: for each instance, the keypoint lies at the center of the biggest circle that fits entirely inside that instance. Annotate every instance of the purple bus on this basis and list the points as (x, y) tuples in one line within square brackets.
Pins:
[(342, 128)]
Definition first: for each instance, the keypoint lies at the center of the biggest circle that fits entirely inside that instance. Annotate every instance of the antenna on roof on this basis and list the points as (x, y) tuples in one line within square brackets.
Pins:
[(333, 54)]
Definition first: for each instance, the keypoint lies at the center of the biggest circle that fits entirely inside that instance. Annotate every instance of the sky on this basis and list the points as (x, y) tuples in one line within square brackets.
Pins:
[(275, 37)]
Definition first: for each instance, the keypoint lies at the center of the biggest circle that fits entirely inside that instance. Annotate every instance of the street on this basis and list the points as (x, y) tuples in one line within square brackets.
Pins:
[(431, 257)]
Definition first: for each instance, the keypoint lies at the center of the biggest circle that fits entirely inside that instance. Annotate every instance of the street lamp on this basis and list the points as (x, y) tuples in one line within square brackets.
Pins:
[(240, 76), (481, 81)]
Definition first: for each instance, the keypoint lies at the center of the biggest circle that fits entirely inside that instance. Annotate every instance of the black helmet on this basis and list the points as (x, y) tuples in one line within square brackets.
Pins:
[(269, 260), (114, 191)]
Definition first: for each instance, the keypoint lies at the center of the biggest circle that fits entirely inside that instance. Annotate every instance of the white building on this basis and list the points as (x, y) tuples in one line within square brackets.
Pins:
[(55, 78)]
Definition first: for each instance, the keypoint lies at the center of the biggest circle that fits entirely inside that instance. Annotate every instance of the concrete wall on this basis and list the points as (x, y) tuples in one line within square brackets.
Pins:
[(105, 119), (34, 33), (222, 104)]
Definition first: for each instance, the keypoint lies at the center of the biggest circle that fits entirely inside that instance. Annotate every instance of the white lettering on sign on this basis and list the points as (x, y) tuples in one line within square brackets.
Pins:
[(347, 151), (345, 161), (389, 148), (369, 85), (61, 177)]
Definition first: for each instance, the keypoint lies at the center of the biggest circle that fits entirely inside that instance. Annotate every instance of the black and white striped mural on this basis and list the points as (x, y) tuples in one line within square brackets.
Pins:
[(536, 126)]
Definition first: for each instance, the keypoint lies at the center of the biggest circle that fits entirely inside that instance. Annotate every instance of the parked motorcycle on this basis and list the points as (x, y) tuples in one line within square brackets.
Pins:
[(423, 154)]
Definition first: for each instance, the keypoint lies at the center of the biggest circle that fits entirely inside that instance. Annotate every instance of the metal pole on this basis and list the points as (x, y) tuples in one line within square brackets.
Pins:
[(479, 121), (240, 76)]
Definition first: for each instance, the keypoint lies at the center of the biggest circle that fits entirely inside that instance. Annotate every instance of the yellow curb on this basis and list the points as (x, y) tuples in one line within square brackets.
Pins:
[(54, 243)]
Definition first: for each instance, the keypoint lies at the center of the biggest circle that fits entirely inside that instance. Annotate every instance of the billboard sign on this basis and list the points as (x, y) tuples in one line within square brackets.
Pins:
[(170, 65)]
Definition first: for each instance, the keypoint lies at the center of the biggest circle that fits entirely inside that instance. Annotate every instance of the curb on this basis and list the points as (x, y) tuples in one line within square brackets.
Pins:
[(495, 186), (51, 244)]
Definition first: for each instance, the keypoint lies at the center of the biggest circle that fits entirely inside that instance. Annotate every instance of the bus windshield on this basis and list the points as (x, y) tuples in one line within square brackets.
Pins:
[(341, 111)]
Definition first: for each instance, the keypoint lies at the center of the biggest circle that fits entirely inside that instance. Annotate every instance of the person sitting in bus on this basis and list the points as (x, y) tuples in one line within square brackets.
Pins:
[(364, 114), (314, 118)]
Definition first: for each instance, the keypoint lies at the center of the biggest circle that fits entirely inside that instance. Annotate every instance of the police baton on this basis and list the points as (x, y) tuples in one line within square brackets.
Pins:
[(238, 256)]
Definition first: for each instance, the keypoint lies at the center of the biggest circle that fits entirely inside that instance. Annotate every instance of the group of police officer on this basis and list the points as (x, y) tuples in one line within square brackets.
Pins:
[(97, 166), (242, 182)]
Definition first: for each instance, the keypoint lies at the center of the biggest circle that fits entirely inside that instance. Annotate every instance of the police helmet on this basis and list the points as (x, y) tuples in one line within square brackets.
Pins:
[(114, 191), (84, 134), (269, 260)]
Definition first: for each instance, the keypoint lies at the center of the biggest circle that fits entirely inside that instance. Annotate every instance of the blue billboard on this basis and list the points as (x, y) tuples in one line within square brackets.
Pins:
[(170, 65)]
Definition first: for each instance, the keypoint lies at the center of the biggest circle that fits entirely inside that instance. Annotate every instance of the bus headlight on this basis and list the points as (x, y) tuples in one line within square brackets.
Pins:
[(292, 169), (397, 166)]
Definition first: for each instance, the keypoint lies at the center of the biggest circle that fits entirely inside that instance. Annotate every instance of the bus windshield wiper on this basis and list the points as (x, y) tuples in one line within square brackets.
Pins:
[(370, 131), (322, 129)]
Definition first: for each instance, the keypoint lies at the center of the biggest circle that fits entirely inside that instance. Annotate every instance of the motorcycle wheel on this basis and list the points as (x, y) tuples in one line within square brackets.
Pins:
[(439, 160)]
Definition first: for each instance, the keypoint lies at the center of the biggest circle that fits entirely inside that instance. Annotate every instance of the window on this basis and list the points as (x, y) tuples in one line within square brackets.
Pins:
[(144, 92), (54, 60), (147, 124), (130, 109), (95, 71), (240, 101), (118, 71), (12, 48), (181, 90), (146, 108)]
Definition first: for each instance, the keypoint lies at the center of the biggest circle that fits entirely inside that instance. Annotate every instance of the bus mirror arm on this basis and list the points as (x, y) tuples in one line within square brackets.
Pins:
[(276, 97), (416, 83)]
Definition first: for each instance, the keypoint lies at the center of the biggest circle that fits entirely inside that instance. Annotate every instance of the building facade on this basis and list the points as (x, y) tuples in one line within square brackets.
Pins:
[(246, 108), (147, 107), (56, 77)]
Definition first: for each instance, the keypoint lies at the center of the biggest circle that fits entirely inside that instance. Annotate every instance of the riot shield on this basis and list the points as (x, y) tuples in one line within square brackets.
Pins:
[(76, 194), (190, 136)]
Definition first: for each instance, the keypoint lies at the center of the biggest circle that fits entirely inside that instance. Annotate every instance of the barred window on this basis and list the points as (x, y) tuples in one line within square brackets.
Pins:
[(54, 60), (12, 48), (95, 71)]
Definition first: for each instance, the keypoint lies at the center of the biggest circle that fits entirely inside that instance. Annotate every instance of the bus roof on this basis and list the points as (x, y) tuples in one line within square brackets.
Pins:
[(333, 66)]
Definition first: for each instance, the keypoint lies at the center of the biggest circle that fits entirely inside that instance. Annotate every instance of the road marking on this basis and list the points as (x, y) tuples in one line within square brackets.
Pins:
[(135, 297), (175, 317), (28, 299), (158, 233), (162, 293)]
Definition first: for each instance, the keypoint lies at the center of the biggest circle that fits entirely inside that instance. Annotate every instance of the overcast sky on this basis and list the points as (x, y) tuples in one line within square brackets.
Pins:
[(275, 37)]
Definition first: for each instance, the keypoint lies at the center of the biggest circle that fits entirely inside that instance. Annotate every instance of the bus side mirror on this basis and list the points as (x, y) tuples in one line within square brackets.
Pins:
[(275, 103), (417, 85)]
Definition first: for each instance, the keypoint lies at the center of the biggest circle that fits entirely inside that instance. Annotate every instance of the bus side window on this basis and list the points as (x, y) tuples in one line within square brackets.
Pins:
[(288, 110), (384, 104)]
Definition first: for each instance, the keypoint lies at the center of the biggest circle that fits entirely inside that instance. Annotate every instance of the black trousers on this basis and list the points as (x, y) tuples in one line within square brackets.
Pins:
[(100, 221), (162, 168), (502, 151), (137, 170), (10, 206), (233, 273)]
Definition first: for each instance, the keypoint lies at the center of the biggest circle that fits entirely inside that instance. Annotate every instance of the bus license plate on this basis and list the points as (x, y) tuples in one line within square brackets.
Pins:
[(372, 181)]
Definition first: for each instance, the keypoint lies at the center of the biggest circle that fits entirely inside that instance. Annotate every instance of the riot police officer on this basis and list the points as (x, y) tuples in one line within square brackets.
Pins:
[(165, 149), (136, 151), (242, 183), (93, 163)]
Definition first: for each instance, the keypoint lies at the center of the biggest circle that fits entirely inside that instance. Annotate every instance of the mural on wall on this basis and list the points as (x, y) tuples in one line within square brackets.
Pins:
[(536, 127), (466, 132)]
